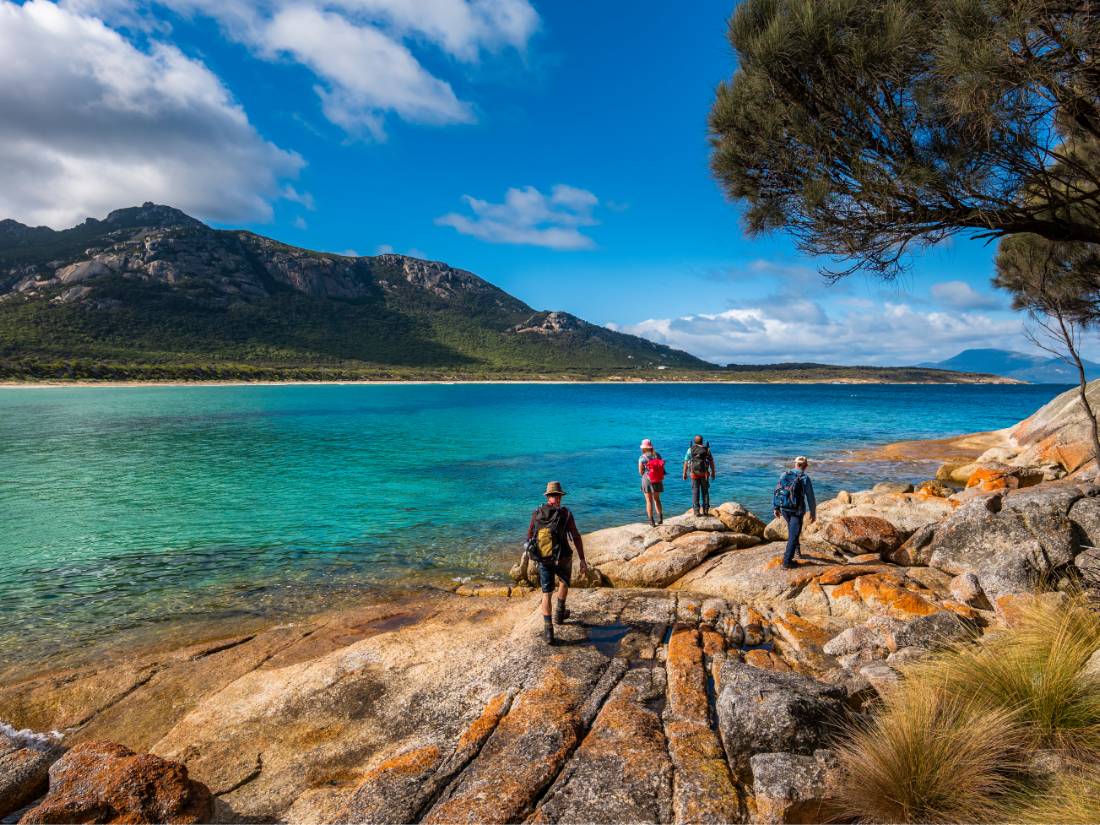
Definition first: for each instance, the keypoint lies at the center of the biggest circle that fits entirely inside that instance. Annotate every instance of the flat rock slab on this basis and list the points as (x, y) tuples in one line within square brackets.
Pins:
[(622, 771)]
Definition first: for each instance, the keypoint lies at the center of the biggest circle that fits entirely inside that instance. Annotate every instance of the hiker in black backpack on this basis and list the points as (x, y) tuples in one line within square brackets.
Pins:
[(793, 498), (548, 546), (700, 462)]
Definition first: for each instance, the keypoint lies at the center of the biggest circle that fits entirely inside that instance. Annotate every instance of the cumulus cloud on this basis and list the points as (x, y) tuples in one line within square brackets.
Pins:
[(89, 123), (527, 216), (866, 333), (359, 50), (961, 295)]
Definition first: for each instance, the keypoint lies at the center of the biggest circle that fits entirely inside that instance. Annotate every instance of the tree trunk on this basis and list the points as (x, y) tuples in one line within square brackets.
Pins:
[(1082, 390)]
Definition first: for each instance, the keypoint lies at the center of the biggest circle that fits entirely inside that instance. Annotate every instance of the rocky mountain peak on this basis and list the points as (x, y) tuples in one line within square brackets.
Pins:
[(150, 214)]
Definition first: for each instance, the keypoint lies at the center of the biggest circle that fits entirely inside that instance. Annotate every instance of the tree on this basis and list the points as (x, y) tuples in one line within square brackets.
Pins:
[(865, 127), (1058, 285)]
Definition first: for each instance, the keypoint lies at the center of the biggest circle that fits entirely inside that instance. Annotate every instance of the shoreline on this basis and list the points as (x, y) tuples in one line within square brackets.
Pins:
[(22, 385)]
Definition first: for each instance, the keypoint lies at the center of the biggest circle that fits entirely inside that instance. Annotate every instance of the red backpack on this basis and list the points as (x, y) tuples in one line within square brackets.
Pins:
[(656, 468)]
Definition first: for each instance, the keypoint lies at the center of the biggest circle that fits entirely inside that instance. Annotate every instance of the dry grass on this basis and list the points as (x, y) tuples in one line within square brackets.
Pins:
[(930, 758), (952, 741)]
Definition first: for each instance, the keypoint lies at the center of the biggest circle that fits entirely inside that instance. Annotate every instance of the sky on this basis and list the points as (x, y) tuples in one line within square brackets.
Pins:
[(557, 149)]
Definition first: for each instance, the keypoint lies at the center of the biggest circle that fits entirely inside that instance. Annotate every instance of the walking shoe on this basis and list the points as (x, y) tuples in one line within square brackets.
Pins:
[(652, 523), (789, 566), (548, 631), (695, 513), (661, 520), (561, 612)]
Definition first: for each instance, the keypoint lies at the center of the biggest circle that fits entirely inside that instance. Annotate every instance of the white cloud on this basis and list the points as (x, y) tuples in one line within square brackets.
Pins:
[(300, 223), (89, 123), (359, 50), (961, 295), (364, 72), (527, 216), (874, 333), (384, 249), (304, 198)]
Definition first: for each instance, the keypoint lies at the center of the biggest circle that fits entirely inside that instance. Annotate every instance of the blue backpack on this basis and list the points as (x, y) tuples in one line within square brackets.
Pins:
[(788, 492)]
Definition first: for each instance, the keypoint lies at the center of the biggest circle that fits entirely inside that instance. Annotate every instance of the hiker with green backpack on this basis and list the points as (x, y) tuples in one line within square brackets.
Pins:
[(547, 545), (700, 462)]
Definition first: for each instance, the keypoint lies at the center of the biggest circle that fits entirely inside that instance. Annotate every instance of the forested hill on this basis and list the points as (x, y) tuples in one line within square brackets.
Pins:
[(152, 292)]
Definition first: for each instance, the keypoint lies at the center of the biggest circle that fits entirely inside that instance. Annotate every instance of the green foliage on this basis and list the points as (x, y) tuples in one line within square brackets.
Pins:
[(867, 126)]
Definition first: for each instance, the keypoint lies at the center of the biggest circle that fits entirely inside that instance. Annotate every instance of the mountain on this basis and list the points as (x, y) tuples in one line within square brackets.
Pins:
[(1035, 369), (152, 292)]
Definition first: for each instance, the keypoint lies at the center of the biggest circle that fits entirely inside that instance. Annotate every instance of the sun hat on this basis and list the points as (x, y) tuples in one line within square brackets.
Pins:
[(647, 444), (553, 488), (802, 460)]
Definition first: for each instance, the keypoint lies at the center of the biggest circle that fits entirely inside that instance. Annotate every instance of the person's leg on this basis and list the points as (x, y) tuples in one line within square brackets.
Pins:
[(649, 507), (546, 583), (695, 495), (564, 576), (657, 506), (794, 527), (705, 483)]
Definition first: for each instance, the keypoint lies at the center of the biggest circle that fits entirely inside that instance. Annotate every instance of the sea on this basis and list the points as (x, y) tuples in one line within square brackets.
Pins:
[(126, 509)]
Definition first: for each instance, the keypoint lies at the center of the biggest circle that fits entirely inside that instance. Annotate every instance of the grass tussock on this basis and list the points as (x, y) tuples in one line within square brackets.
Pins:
[(953, 741)]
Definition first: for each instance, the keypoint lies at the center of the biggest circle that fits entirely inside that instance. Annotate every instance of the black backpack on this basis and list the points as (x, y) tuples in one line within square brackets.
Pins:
[(548, 541), (700, 464)]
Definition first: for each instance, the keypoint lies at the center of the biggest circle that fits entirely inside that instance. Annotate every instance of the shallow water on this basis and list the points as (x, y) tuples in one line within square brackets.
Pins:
[(128, 507)]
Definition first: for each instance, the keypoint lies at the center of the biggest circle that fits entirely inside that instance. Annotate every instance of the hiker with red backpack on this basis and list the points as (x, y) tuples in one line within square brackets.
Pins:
[(700, 461), (792, 500), (548, 546), (651, 467)]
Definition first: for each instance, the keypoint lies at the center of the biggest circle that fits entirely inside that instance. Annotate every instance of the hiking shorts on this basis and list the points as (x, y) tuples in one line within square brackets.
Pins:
[(562, 570), (652, 486)]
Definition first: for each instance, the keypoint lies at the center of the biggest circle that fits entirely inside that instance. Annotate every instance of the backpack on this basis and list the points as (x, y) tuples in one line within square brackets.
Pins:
[(655, 468), (788, 492), (700, 453), (548, 541)]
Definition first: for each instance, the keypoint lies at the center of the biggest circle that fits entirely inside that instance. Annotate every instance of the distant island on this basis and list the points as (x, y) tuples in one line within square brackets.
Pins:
[(1034, 369), (152, 294)]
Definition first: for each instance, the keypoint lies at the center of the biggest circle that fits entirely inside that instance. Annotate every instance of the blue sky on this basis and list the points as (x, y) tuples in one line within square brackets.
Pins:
[(557, 149)]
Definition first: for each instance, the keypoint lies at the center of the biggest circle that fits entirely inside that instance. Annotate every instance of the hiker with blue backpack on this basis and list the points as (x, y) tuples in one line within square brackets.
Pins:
[(792, 500)]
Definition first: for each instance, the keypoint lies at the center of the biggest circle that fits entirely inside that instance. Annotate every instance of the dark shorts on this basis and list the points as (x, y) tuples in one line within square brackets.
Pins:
[(562, 570)]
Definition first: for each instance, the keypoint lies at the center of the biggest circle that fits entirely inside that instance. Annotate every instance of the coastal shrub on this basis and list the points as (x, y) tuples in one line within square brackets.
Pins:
[(1035, 669), (929, 757), (954, 741)]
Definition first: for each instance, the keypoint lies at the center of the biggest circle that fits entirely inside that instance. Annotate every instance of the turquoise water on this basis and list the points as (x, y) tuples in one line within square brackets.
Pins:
[(126, 507)]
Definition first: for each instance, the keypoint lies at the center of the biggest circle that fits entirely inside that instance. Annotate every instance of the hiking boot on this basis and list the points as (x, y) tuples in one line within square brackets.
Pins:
[(652, 523), (695, 512), (789, 566), (661, 520), (561, 613), (548, 631)]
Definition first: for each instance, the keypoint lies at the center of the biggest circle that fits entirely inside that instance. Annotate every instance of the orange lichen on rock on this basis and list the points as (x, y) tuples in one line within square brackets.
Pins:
[(481, 727), (765, 660), (713, 641), (799, 634)]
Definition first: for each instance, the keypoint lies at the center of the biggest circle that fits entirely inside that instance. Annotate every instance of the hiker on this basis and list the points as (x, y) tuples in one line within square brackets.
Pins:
[(651, 467), (548, 547), (793, 498), (700, 461)]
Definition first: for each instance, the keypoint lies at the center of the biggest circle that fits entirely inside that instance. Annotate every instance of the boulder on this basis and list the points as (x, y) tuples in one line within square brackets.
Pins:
[(776, 530), (881, 676), (793, 787), (665, 562), (1088, 566), (106, 782), (1092, 666), (768, 711), (615, 543), (892, 487), (1085, 513), (693, 522), (856, 535), (663, 532), (1057, 433), (916, 550), (934, 487), (739, 520), (956, 472), (991, 477), (907, 512), (25, 760), (966, 588), (1011, 543)]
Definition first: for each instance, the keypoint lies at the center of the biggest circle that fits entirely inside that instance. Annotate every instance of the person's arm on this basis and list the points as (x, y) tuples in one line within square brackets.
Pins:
[(811, 501), (531, 526), (575, 535), (713, 469), (641, 466), (687, 460)]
